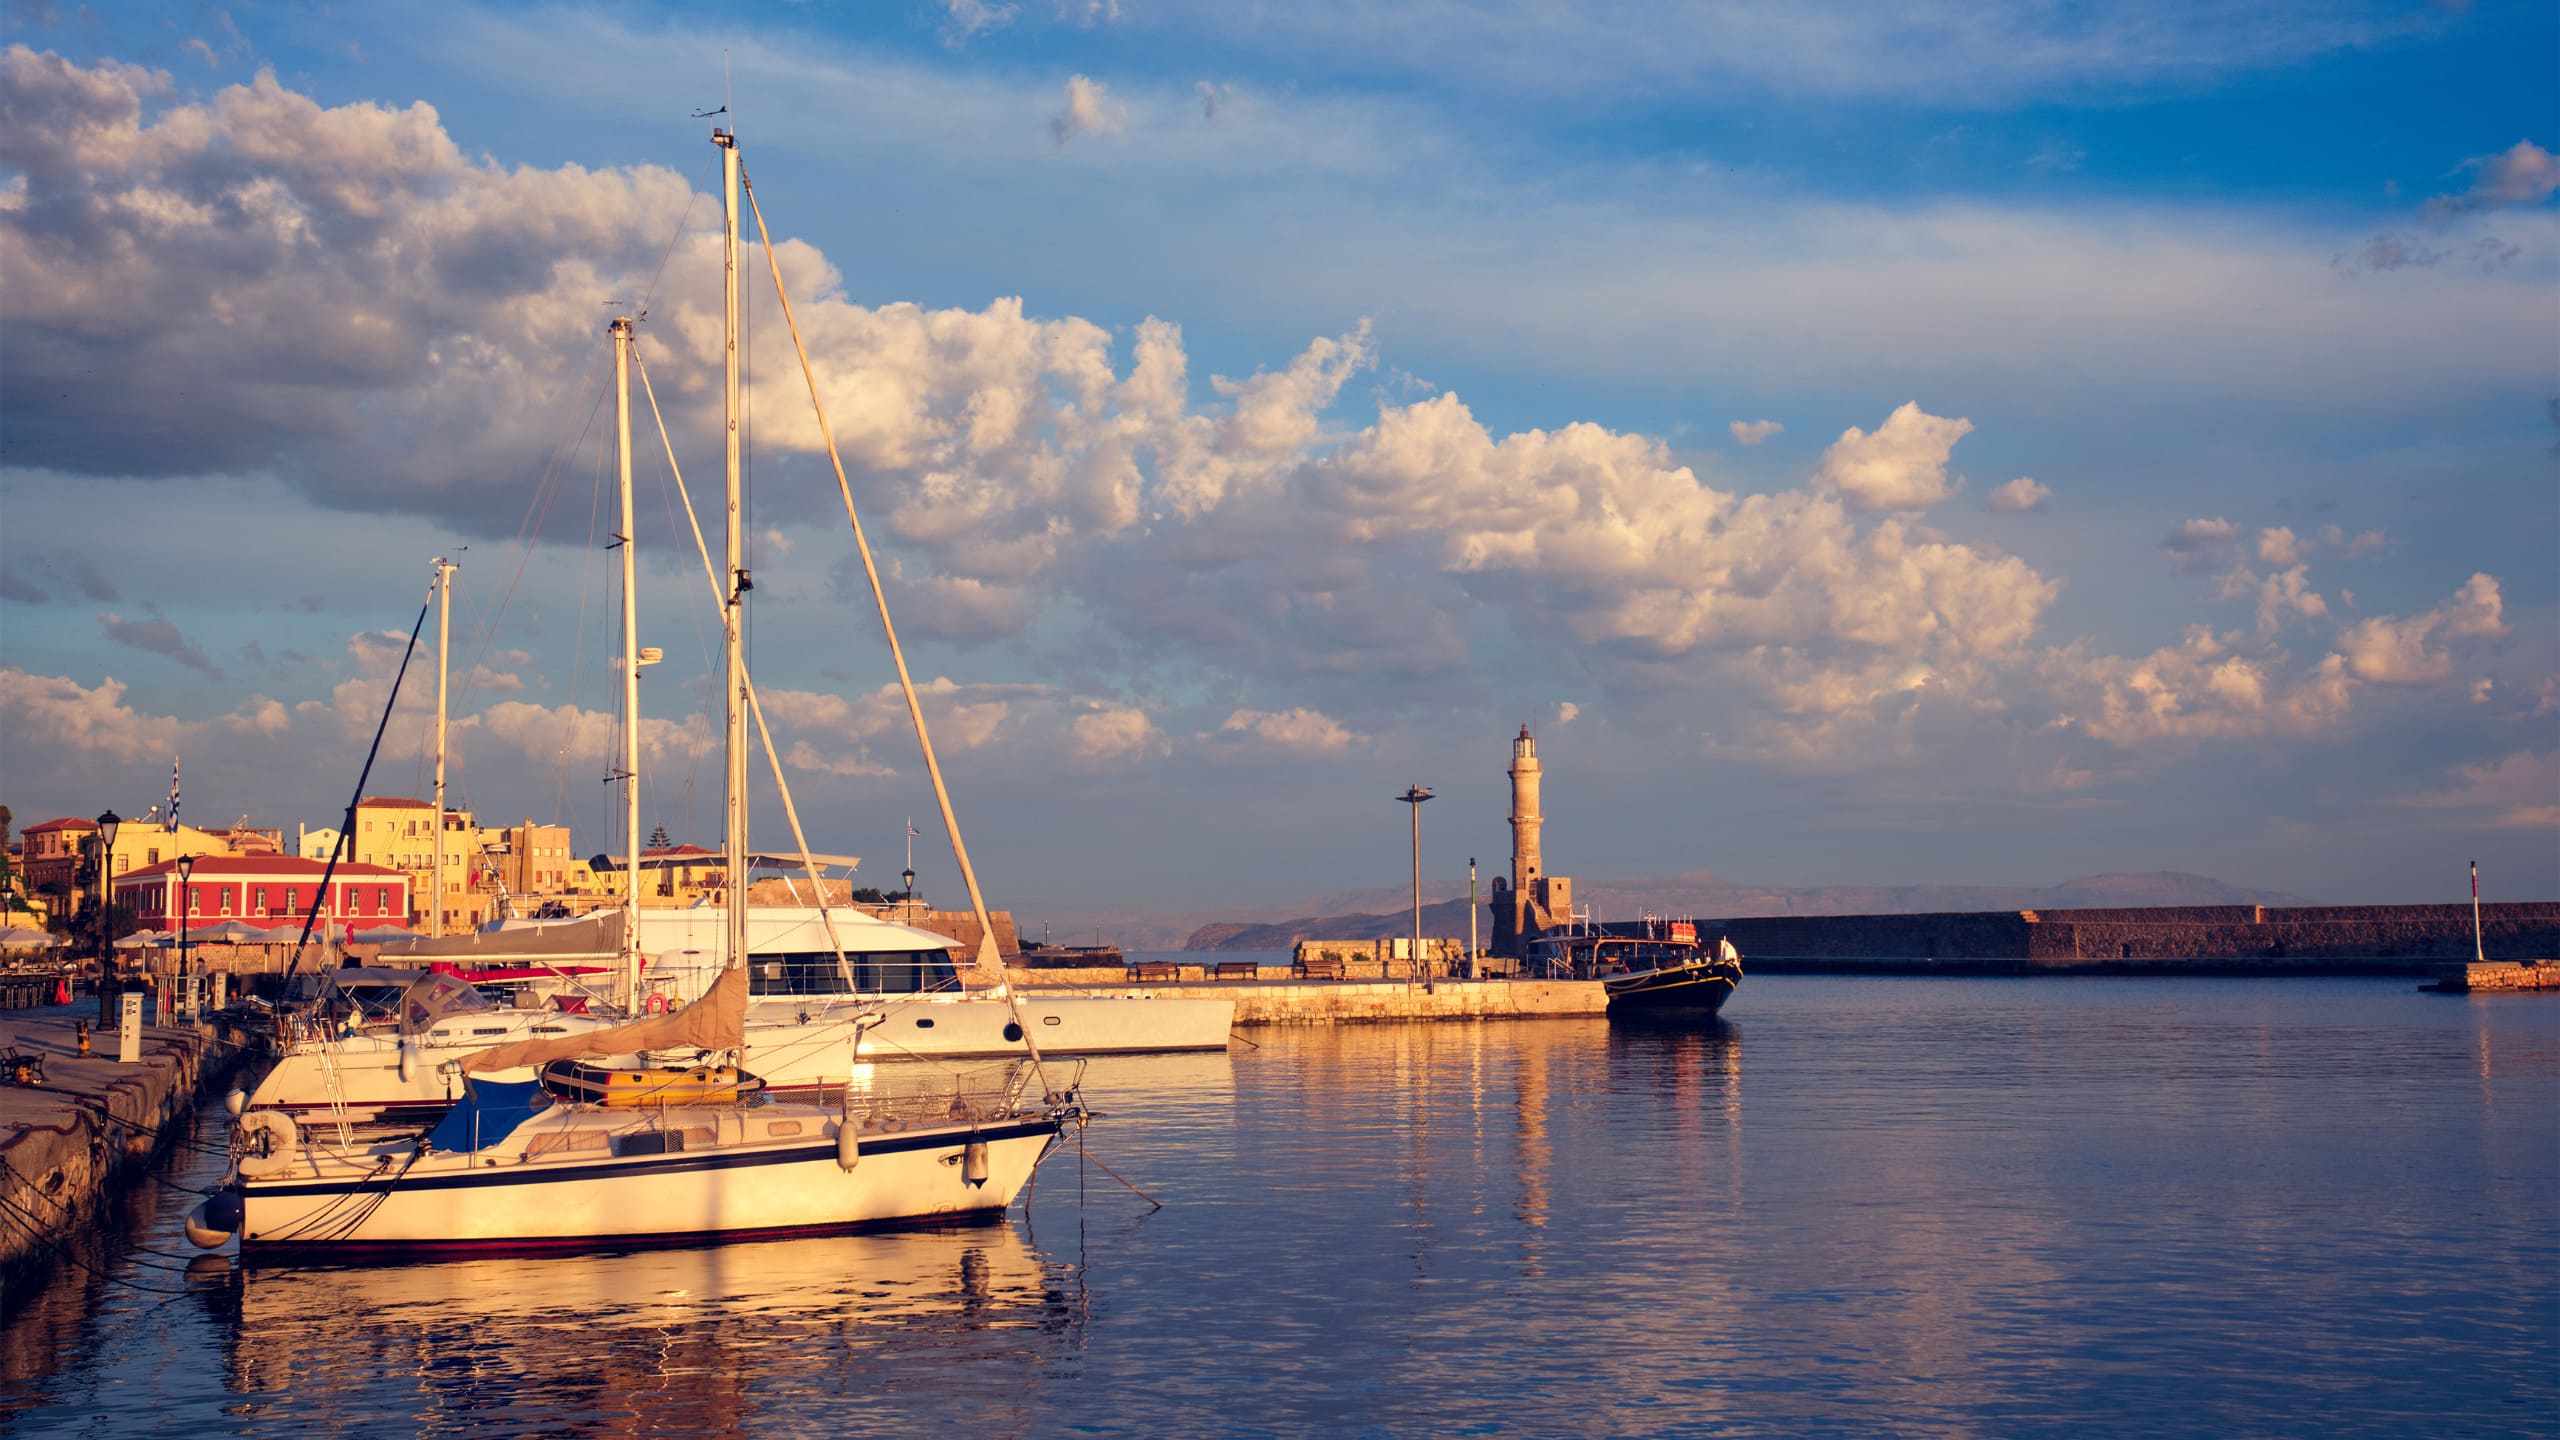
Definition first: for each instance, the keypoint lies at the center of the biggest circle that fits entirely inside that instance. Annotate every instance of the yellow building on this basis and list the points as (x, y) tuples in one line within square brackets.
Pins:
[(402, 834), (54, 850)]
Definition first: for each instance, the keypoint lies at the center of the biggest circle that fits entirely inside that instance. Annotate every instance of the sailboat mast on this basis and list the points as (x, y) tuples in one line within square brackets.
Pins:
[(444, 654), (621, 330), (733, 612)]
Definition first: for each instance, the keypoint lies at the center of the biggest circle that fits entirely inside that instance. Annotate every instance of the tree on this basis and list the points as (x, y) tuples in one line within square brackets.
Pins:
[(658, 839), (869, 895)]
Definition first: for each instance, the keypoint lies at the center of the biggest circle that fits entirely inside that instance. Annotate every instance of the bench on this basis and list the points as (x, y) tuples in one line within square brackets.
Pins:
[(1143, 971), (1320, 967), (1239, 970)]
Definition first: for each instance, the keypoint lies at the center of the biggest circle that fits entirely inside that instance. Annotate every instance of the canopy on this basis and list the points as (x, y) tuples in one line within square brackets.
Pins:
[(434, 996), (24, 937), (146, 940), (589, 937), (489, 1111), (224, 932), (717, 1021)]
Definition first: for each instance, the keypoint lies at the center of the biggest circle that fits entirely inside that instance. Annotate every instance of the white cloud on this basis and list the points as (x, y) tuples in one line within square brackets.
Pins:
[(2522, 174), (1300, 731), (1115, 735), (2280, 547), (2390, 650), (1902, 466), (1752, 432), (2521, 791), (2286, 594), (1566, 713), (2202, 544), (61, 714), (2018, 496), (1089, 110), (965, 19)]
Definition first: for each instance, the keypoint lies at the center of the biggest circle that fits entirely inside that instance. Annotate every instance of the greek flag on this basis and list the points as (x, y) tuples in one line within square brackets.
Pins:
[(173, 794)]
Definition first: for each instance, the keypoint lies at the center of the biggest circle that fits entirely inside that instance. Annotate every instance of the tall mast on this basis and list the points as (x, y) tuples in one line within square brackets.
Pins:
[(444, 652), (621, 330), (733, 611)]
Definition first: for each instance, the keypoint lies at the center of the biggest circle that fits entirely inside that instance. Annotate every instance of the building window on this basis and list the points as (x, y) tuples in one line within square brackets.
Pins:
[(291, 903), (152, 856), (195, 899), (226, 899), (258, 900), (382, 893), (123, 862)]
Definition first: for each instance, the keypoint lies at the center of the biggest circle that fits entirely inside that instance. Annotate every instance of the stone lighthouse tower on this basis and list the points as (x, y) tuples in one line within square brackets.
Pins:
[(1525, 818), (1533, 899)]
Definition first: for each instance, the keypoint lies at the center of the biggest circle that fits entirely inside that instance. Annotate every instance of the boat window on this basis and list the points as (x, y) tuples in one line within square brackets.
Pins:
[(892, 972)]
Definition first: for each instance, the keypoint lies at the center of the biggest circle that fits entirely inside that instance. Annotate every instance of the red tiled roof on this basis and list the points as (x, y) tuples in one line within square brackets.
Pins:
[(392, 802), (65, 823), (676, 850), (289, 867)]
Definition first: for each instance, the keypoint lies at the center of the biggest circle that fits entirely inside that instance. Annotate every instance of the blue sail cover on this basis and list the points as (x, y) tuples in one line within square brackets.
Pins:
[(489, 1112)]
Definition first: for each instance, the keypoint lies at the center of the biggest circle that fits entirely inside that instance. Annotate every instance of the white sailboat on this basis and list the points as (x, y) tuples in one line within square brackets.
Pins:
[(515, 1167)]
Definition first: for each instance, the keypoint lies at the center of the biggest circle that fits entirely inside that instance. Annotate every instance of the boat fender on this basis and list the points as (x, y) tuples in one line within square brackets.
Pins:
[(235, 1101), (848, 1145), (213, 1223), (408, 1060), (973, 1163)]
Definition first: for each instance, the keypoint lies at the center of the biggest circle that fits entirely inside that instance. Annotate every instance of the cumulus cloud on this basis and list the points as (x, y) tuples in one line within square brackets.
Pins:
[(1089, 110), (2204, 687), (2391, 650), (62, 715), (1116, 735), (1752, 432), (2280, 546), (1567, 712), (1300, 731), (2522, 174), (2521, 791), (2018, 496), (2202, 544), (1902, 466)]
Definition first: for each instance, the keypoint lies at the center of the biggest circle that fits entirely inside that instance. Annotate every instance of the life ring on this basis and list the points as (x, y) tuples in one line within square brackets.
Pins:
[(268, 1140), (657, 1003)]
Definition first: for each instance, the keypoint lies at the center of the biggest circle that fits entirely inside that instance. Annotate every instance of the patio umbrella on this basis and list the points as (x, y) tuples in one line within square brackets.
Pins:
[(26, 937), (146, 940), (382, 935), (225, 932)]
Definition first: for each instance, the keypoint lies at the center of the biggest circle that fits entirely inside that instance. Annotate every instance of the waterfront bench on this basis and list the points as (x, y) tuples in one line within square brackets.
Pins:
[(1320, 967), (1143, 971), (1238, 970)]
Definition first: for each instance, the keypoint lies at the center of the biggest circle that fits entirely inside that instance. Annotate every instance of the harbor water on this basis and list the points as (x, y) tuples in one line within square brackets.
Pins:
[(1855, 1207)]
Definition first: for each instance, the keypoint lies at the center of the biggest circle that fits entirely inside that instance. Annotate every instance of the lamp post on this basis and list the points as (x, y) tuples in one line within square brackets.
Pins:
[(1474, 970), (186, 957), (109, 994), (1414, 797)]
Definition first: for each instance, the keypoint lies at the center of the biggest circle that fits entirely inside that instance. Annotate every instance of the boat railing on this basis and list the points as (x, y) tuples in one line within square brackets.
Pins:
[(915, 1094)]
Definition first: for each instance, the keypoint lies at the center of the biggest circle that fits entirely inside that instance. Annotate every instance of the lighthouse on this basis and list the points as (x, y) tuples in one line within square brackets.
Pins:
[(1531, 900)]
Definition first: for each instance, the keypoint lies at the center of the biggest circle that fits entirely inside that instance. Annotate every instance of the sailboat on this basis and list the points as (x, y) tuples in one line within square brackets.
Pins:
[(519, 1167)]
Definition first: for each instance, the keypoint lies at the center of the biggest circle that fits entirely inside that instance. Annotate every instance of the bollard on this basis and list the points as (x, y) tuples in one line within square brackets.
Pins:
[(129, 1028)]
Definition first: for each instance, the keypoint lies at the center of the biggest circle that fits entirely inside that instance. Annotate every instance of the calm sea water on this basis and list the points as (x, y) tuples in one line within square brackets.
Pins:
[(1919, 1207)]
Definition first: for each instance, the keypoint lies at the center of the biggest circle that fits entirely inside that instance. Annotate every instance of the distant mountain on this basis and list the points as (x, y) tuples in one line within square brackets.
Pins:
[(1708, 897)]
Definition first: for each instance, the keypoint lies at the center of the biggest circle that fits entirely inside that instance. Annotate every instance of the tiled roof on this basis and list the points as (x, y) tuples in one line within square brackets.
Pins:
[(290, 867), (65, 823)]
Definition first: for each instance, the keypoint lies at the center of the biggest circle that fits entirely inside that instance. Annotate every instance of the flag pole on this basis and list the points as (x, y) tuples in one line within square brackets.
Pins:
[(2479, 952)]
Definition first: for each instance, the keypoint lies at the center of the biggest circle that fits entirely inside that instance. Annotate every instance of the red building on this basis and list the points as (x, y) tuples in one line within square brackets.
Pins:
[(265, 890)]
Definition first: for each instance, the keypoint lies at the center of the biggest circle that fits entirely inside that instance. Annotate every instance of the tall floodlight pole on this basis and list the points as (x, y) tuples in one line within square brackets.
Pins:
[(1414, 797), (444, 655), (186, 956), (733, 613)]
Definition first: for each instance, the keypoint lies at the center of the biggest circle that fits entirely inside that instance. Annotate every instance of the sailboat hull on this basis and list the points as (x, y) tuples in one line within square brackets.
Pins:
[(335, 1205)]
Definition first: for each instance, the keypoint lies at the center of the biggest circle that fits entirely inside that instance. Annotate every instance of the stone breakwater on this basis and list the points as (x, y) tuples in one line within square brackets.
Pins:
[(68, 1143), (2245, 939)]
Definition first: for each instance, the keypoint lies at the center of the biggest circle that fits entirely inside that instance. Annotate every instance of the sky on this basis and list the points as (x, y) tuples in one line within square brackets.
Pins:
[(1885, 443)]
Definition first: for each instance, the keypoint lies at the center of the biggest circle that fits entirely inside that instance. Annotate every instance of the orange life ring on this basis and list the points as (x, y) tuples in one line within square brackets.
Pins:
[(657, 1003)]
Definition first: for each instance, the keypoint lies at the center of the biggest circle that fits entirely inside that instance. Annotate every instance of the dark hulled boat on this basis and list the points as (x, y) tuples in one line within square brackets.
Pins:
[(1662, 972)]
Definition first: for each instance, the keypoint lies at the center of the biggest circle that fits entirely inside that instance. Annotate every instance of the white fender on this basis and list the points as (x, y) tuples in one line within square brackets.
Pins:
[(848, 1144)]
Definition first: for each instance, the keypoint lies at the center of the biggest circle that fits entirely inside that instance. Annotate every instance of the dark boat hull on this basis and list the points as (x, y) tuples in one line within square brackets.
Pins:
[(1673, 992)]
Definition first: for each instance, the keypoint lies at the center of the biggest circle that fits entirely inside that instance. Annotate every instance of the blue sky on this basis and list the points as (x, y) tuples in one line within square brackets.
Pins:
[(1882, 443)]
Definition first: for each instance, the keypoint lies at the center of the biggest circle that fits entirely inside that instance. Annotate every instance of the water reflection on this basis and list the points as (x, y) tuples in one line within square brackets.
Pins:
[(1921, 1207)]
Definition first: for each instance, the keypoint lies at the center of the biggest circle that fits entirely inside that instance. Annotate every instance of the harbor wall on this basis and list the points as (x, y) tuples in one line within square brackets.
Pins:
[(68, 1144), (2513, 930)]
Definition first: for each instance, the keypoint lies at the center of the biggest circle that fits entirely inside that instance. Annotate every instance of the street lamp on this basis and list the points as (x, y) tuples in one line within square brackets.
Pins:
[(108, 823), (186, 958), (1414, 797)]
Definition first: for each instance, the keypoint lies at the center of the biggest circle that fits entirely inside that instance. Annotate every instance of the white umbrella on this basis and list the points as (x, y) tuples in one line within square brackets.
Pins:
[(26, 937), (146, 940), (224, 932)]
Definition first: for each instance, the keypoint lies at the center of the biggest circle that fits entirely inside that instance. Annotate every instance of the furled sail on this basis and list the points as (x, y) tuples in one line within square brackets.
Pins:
[(717, 1021)]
